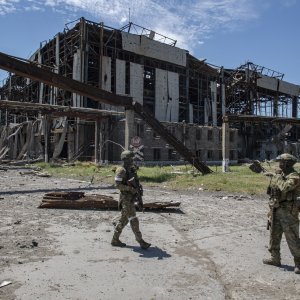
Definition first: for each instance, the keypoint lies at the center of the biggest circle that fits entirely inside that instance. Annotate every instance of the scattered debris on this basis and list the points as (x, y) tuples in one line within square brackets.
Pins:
[(5, 283), (256, 167), (64, 195), (236, 197), (34, 243), (160, 205), (78, 200), (37, 173)]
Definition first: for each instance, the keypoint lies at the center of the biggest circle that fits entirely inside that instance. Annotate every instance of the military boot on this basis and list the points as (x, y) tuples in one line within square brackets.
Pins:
[(274, 260), (144, 245), (297, 269), (116, 241)]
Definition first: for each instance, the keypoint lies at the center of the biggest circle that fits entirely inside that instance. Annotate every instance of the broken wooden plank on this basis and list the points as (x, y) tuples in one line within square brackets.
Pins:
[(86, 202), (77, 200), (64, 195), (36, 173)]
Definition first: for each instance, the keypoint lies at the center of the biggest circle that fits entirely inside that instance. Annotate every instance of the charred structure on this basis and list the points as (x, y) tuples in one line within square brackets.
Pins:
[(187, 95)]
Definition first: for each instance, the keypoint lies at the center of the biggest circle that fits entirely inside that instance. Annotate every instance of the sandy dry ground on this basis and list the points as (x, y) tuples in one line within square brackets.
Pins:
[(212, 248)]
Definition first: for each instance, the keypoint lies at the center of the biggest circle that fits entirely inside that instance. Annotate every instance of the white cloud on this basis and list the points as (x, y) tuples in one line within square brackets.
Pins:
[(190, 22), (7, 6), (288, 3)]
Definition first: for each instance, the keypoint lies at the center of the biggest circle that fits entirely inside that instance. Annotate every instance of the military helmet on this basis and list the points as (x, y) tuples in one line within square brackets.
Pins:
[(126, 154), (287, 158)]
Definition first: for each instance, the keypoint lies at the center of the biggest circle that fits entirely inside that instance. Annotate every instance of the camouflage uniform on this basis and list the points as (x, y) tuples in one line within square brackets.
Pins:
[(284, 189), (126, 204)]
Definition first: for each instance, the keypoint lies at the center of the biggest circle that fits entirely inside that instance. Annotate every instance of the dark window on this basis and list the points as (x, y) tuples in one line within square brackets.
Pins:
[(198, 153), (171, 129), (156, 136), (231, 154), (220, 154), (127, 78), (198, 134), (186, 133), (231, 136), (171, 154), (156, 154), (209, 135), (140, 130), (209, 154)]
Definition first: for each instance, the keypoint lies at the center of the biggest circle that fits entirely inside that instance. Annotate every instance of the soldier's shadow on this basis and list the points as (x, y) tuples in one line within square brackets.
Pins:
[(287, 268), (151, 252)]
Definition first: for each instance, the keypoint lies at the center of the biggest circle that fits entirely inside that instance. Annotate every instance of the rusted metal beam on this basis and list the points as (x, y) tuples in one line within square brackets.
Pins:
[(30, 70), (57, 110), (259, 119)]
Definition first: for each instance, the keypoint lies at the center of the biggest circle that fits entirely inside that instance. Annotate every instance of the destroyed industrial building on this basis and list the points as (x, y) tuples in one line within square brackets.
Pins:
[(214, 112)]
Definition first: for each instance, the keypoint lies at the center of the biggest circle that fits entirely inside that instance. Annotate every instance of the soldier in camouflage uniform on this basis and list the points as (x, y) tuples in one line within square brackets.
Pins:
[(126, 202), (283, 190)]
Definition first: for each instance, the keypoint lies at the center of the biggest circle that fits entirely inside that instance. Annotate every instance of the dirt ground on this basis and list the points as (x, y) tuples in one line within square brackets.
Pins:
[(210, 248)]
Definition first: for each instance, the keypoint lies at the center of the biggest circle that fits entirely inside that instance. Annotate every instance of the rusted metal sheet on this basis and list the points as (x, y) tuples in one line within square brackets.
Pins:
[(30, 70), (78, 200), (57, 110), (259, 119)]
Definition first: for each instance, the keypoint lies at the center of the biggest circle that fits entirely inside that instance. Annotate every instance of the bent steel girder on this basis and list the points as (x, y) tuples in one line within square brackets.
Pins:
[(31, 70)]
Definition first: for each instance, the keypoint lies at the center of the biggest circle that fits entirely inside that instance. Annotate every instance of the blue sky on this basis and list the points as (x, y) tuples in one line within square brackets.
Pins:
[(224, 32)]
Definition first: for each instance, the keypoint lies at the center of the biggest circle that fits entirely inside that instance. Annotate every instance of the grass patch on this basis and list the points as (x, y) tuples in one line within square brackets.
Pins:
[(240, 179)]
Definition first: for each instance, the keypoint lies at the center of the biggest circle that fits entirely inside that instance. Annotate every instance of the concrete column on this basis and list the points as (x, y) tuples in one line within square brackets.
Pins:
[(46, 138), (96, 141), (225, 146), (71, 144), (41, 84), (129, 127), (100, 141), (213, 91), (56, 68), (207, 109), (223, 96), (275, 102), (295, 107)]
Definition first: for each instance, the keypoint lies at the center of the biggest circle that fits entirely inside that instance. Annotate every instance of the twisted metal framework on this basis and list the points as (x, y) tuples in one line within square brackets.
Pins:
[(91, 41), (245, 97)]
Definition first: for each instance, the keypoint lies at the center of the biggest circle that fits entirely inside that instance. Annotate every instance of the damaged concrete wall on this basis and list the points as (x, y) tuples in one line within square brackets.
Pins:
[(274, 84), (289, 88), (205, 141), (142, 45), (120, 76), (213, 91), (166, 96), (77, 99), (137, 82)]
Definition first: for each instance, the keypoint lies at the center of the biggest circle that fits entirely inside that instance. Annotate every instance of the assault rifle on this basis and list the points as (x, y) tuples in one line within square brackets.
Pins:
[(138, 197), (274, 193)]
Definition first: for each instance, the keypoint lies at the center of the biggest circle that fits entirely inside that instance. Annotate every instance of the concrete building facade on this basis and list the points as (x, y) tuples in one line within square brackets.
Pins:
[(187, 95)]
